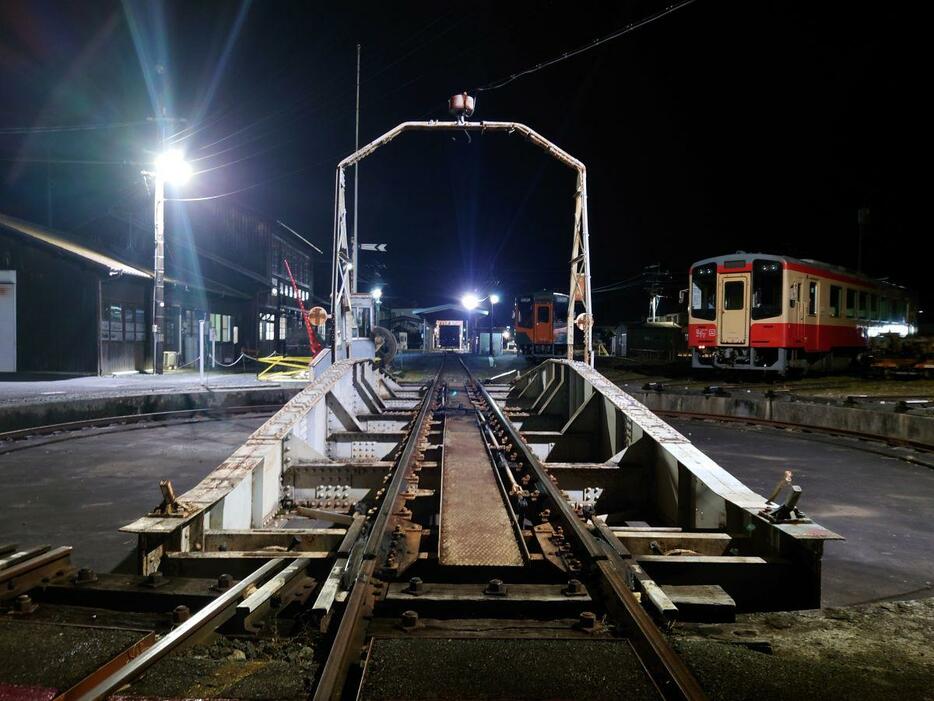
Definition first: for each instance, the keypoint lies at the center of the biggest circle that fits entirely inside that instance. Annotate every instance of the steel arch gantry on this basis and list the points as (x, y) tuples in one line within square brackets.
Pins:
[(341, 265)]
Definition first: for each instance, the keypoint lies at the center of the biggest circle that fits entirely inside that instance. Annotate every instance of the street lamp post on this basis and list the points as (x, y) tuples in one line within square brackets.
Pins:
[(494, 299), (470, 302), (170, 167)]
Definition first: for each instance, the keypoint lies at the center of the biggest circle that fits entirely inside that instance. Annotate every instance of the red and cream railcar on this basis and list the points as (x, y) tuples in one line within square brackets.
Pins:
[(767, 312)]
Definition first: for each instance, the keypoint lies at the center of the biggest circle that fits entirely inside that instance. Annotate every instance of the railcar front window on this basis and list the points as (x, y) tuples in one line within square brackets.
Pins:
[(561, 311), (704, 292), (524, 312), (544, 315), (733, 295), (766, 289)]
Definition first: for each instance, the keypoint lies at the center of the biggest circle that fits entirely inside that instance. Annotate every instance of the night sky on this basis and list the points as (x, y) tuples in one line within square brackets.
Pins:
[(723, 126)]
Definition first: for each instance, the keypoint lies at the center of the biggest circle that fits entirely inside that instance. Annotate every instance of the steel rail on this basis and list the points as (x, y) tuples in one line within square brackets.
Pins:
[(666, 669), (352, 627), (726, 418), (208, 618), (104, 421)]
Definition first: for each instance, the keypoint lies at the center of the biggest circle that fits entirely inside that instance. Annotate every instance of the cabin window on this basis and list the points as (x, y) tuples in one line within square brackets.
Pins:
[(812, 298), (704, 292), (544, 314), (733, 295), (766, 289), (862, 305), (850, 303), (221, 325), (524, 312), (140, 316), (900, 311), (873, 307), (884, 308), (835, 291), (116, 323)]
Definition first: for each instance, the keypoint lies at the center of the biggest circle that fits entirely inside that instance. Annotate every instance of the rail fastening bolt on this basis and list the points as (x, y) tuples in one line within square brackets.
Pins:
[(575, 587), (23, 603), (588, 620), (409, 619), (225, 581), (85, 575), (180, 614), (416, 586), (495, 586)]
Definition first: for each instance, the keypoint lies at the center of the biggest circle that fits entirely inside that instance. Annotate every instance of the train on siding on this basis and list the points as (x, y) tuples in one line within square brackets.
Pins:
[(754, 311), (541, 325)]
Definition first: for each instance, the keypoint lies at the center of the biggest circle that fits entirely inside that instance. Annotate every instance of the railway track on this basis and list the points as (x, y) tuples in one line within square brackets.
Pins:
[(489, 581)]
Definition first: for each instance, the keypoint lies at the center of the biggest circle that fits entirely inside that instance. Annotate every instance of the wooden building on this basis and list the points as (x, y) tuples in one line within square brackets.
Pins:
[(73, 309)]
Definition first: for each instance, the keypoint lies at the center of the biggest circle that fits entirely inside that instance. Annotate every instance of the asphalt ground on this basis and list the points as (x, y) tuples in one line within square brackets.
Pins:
[(883, 506), (79, 488)]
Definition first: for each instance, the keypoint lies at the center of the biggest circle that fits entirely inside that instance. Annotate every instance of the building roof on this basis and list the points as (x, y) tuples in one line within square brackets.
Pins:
[(41, 234), (50, 238)]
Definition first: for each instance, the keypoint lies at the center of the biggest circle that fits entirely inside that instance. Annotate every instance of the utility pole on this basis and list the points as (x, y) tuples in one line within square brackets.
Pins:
[(158, 291), (356, 182), (491, 328), (48, 188)]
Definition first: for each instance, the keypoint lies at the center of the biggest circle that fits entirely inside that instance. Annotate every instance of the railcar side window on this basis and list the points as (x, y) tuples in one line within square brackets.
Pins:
[(733, 294), (835, 291), (812, 298), (544, 314), (862, 305), (850, 303), (873, 307), (884, 308), (704, 292), (766, 289)]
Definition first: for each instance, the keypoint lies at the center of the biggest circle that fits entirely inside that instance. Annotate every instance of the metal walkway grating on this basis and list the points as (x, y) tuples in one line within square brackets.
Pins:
[(475, 527)]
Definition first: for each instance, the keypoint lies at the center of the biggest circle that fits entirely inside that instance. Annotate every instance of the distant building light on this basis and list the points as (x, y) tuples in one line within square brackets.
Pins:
[(900, 329)]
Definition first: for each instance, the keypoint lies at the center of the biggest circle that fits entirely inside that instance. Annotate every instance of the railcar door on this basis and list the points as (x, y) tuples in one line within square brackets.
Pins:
[(543, 332), (734, 309)]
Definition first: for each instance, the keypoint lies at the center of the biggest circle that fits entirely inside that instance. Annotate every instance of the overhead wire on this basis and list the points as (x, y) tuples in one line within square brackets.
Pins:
[(55, 129), (632, 26)]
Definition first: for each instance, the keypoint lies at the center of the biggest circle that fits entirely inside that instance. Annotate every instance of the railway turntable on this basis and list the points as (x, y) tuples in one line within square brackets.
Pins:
[(437, 540), (445, 539)]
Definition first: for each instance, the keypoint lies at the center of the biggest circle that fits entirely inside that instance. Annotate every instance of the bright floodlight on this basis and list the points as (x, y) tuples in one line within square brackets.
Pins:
[(494, 299), (470, 301), (376, 293), (173, 168)]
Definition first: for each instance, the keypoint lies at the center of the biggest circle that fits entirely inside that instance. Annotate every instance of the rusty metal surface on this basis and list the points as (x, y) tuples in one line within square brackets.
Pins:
[(475, 527)]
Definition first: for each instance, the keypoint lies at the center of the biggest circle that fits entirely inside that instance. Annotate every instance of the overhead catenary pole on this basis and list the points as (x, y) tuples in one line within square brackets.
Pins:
[(356, 178)]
